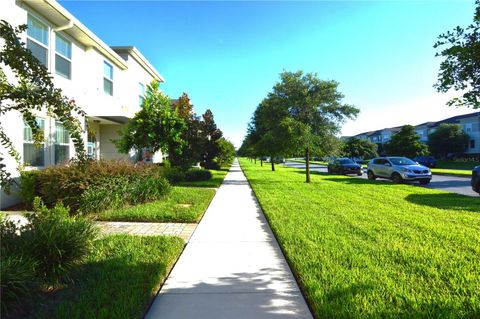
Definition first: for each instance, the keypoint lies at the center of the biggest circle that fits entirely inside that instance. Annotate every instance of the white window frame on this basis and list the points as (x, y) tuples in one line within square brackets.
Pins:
[(31, 142), (57, 123), (63, 56), (108, 79), (38, 42)]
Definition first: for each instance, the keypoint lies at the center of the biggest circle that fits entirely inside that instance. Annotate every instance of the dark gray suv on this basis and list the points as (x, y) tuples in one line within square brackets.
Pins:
[(476, 179), (398, 169)]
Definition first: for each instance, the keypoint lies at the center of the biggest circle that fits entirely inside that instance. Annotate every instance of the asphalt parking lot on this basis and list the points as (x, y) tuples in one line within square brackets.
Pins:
[(452, 184)]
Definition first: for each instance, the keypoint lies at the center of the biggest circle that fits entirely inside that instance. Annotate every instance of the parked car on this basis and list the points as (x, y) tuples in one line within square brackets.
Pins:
[(344, 166), (398, 169), (428, 161), (359, 160), (476, 179)]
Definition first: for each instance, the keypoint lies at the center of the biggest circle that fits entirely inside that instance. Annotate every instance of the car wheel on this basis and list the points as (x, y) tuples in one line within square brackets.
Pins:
[(359, 174), (371, 176), (425, 182), (396, 178)]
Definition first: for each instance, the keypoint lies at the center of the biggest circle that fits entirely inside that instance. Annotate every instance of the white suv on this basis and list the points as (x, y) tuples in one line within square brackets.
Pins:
[(398, 169)]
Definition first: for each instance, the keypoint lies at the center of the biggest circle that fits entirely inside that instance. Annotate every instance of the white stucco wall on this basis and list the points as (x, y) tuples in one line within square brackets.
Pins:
[(85, 87)]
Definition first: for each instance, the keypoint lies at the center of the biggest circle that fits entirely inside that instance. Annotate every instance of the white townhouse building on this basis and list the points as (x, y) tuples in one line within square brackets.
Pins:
[(108, 83), (469, 122)]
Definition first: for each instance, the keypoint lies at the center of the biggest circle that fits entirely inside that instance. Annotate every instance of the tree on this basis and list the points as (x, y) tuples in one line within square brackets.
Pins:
[(209, 134), (461, 68), (31, 91), (266, 126), (406, 143), (448, 139), (315, 112), (193, 150), (156, 126), (361, 148), (226, 152)]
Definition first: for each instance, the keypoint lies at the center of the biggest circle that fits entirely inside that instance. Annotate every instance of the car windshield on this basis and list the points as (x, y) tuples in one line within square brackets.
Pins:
[(401, 161), (346, 161)]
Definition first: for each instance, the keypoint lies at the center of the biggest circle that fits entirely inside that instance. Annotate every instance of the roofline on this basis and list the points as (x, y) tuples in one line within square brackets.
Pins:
[(101, 46), (140, 58), (457, 117)]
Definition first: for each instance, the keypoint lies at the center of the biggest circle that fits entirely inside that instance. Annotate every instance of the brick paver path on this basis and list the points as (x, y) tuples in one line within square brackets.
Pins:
[(182, 230)]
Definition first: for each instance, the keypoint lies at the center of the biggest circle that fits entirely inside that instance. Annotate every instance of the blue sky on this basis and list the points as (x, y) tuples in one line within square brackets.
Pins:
[(227, 55)]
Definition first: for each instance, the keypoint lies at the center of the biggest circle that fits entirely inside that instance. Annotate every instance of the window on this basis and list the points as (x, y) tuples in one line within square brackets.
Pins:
[(33, 156), (62, 143), (92, 145), (141, 94), (63, 57), (37, 39), (468, 127), (472, 143), (107, 78)]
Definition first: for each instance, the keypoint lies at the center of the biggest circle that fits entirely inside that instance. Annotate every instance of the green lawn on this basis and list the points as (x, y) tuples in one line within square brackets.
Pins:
[(457, 165), (182, 205), (118, 280), (311, 162), (215, 181), (446, 171), (364, 249)]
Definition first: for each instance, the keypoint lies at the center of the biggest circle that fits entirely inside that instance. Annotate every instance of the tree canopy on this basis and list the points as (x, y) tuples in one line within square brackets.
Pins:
[(31, 91), (157, 126), (406, 143), (461, 68), (360, 148), (448, 139), (302, 114), (226, 152)]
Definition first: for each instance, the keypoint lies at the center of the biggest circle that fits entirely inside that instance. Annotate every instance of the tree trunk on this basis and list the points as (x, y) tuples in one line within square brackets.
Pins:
[(307, 164), (255, 160), (261, 162), (273, 164)]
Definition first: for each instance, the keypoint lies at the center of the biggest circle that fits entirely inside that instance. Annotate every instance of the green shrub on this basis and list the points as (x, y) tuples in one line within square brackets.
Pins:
[(97, 185), (41, 252), (174, 175), (28, 186), (149, 189), (117, 192), (55, 241), (210, 165), (18, 281), (9, 236), (197, 175)]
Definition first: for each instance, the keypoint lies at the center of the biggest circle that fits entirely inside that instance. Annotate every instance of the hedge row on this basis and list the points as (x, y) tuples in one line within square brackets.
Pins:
[(95, 186)]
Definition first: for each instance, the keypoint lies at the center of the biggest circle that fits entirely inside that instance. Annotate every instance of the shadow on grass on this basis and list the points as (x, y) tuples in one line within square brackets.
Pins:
[(357, 181), (446, 201), (343, 302), (120, 284), (311, 172)]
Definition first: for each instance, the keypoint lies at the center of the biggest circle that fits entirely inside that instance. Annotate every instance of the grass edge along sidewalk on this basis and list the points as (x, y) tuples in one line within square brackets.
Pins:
[(374, 249)]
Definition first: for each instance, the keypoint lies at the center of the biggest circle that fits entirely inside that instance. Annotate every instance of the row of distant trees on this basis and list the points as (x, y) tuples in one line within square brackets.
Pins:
[(446, 140)]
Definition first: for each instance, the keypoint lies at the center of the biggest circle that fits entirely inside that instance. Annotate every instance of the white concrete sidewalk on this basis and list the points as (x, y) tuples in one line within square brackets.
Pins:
[(232, 267)]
